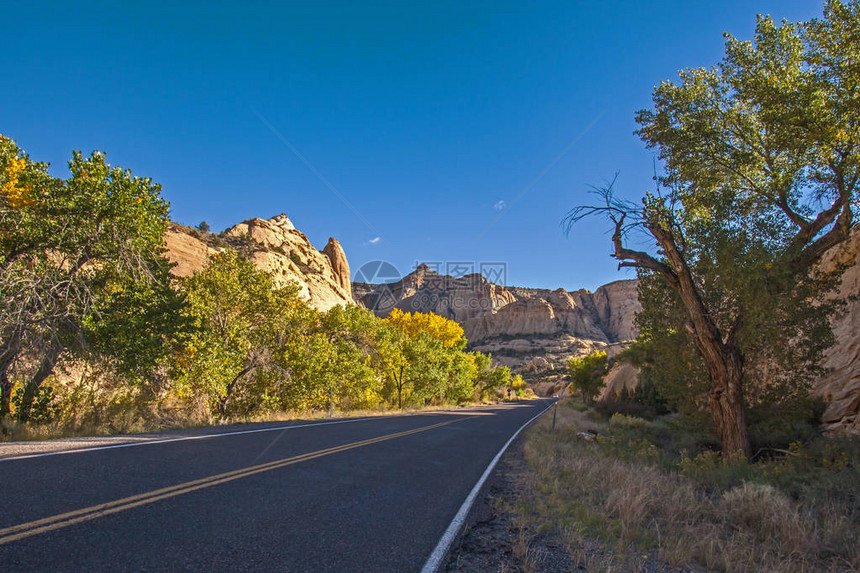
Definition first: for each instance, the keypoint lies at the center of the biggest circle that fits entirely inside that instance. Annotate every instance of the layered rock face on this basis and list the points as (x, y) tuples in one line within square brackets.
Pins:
[(273, 245), (840, 387), (605, 315), (187, 252), (532, 330), (425, 290)]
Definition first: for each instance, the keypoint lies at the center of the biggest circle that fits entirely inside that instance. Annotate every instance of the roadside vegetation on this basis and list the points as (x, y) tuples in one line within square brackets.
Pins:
[(624, 493), (97, 337)]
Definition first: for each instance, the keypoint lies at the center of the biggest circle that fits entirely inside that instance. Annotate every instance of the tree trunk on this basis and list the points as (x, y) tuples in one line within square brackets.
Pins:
[(723, 358), (6, 386), (727, 409), (400, 390), (31, 389), (7, 357), (725, 365), (228, 392)]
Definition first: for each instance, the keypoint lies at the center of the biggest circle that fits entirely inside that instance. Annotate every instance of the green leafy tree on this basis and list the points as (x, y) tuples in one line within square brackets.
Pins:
[(135, 326), (242, 321), (428, 363), (518, 385), (332, 363), (489, 378), (761, 179), (390, 361), (462, 372), (66, 245), (586, 375), (425, 359)]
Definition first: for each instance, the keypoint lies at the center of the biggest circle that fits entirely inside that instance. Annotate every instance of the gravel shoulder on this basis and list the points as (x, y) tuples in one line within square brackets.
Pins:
[(493, 539)]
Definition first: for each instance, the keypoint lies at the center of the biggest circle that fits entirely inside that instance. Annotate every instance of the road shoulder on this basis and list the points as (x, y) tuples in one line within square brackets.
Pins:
[(493, 539)]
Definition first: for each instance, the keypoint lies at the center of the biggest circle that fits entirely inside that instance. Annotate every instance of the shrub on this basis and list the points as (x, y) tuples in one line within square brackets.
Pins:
[(760, 510)]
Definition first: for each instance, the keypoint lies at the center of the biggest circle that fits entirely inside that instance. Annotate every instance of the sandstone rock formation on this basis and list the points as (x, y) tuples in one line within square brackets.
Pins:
[(840, 386), (339, 265), (621, 375), (425, 290), (187, 252), (274, 245), (531, 330), (605, 315)]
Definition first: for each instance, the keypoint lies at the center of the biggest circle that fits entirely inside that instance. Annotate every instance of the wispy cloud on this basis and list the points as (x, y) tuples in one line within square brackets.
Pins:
[(500, 205), (374, 240)]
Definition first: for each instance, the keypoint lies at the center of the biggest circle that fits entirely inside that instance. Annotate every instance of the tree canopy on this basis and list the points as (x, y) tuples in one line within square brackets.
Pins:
[(67, 247), (587, 373)]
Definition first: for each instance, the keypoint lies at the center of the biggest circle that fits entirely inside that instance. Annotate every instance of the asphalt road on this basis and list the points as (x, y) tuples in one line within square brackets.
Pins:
[(361, 495)]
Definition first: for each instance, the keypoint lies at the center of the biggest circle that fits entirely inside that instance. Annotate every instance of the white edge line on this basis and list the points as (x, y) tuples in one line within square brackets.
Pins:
[(182, 439), (435, 559)]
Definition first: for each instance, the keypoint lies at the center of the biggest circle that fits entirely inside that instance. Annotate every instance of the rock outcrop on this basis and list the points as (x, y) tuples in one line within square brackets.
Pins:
[(273, 245), (531, 330), (840, 386), (621, 375), (187, 252), (425, 290), (339, 265), (605, 315)]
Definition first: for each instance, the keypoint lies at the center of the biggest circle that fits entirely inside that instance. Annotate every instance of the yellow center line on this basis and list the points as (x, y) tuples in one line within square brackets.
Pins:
[(23, 530)]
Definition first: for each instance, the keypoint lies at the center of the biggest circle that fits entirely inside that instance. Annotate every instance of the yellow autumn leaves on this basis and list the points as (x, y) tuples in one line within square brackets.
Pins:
[(448, 332), (12, 190)]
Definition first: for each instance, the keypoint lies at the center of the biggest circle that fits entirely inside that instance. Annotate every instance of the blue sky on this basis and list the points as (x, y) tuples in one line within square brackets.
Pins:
[(444, 127)]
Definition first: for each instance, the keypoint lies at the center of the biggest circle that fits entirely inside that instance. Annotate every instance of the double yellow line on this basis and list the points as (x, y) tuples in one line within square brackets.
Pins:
[(62, 520)]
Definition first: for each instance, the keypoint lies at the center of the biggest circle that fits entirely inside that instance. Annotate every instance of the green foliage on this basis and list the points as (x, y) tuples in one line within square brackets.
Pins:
[(664, 352), (587, 373), (43, 408), (518, 385), (137, 325), (489, 379), (331, 357), (65, 247), (241, 320), (781, 360)]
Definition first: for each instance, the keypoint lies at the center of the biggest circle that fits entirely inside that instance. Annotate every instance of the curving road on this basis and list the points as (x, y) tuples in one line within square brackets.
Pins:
[(373, 494)]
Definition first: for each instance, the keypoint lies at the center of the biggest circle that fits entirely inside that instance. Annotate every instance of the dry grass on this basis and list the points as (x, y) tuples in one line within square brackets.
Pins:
[(632, 512)]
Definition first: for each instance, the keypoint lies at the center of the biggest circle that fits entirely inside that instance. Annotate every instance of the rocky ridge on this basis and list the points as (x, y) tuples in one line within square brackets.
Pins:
[(273, 245), (532, 330)]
